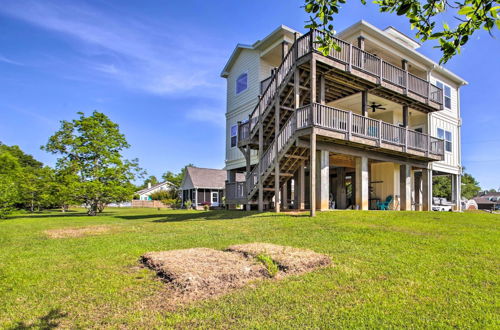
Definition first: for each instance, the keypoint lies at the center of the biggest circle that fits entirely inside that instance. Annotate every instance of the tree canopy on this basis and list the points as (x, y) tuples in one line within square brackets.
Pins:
[(90, 149), (424, 16)]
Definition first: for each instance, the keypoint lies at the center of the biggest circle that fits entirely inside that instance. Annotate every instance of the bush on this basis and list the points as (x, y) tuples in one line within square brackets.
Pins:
[(171, 202), (188, 204), (162, 195)]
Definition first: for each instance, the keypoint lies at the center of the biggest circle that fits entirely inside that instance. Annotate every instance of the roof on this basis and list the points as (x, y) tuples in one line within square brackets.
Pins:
[(387, 37), (206, 177), (146, 190), (484, 200), (282, 29)]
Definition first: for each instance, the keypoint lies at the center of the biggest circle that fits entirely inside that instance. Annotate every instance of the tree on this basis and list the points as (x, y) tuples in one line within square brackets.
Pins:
[(470, 187), (9, 182), (423, 15), (176, 179), (91, 152), (441, 186), (151, 179)]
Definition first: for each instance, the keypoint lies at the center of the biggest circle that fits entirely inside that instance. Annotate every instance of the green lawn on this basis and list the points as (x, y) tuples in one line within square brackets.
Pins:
[(391, 269)]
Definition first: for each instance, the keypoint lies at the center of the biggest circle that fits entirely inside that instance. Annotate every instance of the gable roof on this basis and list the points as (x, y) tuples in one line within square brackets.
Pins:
[(205, 177), (156, 186), (282, 29)]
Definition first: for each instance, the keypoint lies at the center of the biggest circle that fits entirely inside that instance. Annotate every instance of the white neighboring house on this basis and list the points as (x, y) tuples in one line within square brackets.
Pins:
[(144, 194), (383, 118)]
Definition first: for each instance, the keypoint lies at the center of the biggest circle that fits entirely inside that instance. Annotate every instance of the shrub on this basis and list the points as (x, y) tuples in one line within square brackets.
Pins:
[(169, 202), (188, 204), (163, 194), (271, 266)]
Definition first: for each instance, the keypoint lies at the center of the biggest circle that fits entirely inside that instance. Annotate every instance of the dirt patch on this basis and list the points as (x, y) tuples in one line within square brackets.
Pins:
[(77, 232), (290, 260), (200, 272)]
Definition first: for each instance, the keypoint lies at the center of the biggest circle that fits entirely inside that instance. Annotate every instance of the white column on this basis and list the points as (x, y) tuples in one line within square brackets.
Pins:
[(362, 184), (456, 190), (405, 187), (426, 189), (323, 180)]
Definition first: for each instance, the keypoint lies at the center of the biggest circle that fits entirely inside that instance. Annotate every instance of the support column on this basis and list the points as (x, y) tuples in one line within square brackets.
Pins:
[(312, 174), (456, 193), (362, 184), (418, 190), (322, 95), (340, 189), (426, 189), (284, 195), (260, 152), (323, 180), (405, 187), (364, 103), (361, 42), (405, 116), (247, 158), (300, 187), (276, 158)]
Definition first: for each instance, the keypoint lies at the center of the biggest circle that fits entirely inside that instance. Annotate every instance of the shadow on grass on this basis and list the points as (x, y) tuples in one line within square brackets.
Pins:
[(60, 215), (204, 215), (48, 321)]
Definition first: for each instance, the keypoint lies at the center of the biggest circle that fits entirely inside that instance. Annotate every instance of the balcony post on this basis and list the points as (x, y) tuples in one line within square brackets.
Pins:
[(247, 158), (381, 76), (379, 142), (311, 40), (404, 64), (349, 126), (350, 58), (295, 46)]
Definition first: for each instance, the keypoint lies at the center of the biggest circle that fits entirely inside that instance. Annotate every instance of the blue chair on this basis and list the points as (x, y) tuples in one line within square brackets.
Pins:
[(385, 205)]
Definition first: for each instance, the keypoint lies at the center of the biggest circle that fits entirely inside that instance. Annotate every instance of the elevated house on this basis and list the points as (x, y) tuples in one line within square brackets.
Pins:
[(369, 123)]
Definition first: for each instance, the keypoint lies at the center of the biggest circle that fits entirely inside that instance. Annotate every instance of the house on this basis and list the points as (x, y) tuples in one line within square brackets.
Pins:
[(204, 186), (145, 194), (375, 120), (488, 201)]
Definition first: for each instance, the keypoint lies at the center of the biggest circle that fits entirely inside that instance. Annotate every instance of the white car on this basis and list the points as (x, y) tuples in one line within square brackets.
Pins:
[(441, 204)]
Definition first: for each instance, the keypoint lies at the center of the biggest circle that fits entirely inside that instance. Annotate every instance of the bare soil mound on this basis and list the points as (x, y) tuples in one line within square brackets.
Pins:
[(289, 259), (77, 232), (202, 272)]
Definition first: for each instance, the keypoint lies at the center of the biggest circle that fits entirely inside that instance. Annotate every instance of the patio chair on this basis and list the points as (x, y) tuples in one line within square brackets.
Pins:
[(385, 205)]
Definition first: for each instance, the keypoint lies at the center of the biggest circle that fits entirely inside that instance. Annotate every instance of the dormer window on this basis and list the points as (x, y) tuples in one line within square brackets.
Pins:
[(241, 83)]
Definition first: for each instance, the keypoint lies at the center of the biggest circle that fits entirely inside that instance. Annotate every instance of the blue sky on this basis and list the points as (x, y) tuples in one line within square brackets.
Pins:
[(153, 67)]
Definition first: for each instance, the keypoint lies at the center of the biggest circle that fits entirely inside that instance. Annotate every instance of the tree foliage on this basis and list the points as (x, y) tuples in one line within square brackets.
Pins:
[(9, 180), (151, 179), (424, 16), (175, 178), (441, 186), (90, 149)]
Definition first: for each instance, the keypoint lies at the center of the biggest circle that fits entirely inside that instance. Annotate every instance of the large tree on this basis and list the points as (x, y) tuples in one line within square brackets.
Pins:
[(441, 186), (425, 16), (9, 182), (91, 151)]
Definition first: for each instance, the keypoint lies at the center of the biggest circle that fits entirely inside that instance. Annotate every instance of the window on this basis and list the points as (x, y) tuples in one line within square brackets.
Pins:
[(234, 135), (241, 83), (446, 136), (447, 94)]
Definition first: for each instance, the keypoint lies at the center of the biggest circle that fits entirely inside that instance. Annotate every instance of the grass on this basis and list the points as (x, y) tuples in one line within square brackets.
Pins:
[(391, 269), (271, 266)]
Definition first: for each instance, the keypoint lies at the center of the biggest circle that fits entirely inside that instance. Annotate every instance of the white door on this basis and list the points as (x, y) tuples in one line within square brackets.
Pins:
[(215, 198)]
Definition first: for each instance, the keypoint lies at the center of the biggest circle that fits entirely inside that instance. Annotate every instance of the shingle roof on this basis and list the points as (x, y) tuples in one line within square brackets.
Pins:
[(208, 177), (146, 190)]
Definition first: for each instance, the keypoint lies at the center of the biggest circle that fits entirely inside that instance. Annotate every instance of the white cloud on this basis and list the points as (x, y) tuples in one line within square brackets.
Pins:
[(8, 60), (158, 58)]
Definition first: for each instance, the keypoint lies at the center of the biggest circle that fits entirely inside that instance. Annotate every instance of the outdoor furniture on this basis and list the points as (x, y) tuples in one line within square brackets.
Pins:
[(385, 205)]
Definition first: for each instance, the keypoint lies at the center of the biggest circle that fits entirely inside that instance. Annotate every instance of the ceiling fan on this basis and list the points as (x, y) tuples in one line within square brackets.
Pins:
[(374, 106)]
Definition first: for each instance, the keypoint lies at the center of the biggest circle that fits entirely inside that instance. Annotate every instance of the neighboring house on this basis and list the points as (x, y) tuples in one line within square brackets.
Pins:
[(145, 194), (373, 120), (204, 186), (489, 201)]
